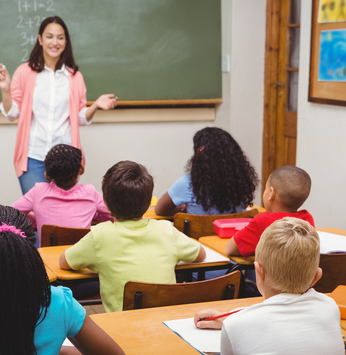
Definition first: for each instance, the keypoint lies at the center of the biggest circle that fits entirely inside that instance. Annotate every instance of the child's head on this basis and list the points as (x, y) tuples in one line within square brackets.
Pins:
[(63, 165), (288, 187), (289, 253), (221, 175), (127, 190), (25, 289), (11, 217)]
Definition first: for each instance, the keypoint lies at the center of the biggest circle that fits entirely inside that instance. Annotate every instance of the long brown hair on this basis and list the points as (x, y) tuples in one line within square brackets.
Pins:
[(36, 60)]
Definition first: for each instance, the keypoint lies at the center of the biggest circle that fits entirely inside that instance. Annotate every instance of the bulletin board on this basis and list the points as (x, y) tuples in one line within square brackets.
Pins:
[(327, 84)]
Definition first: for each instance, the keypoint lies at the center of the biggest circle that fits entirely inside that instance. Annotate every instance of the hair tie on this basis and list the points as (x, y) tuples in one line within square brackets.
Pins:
[(200, 149), (13, 229)]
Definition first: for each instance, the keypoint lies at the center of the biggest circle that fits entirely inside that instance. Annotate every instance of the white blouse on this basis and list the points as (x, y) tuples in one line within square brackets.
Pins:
[(50, 123)]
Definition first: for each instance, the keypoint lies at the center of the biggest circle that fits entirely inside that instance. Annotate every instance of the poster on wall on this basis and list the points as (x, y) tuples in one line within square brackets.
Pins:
[(332, 11), (332, 59)]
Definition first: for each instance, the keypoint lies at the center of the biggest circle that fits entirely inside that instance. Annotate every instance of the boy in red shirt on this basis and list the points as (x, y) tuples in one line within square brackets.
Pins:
[(286, 190)]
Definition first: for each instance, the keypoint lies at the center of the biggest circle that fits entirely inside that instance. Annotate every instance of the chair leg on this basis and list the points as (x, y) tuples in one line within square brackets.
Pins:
[(230, 289), (137, 304)]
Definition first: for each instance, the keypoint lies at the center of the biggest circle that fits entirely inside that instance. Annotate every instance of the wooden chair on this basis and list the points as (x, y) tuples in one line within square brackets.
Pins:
[(197, 225), (147, 295), (334, 272), (52, 235)]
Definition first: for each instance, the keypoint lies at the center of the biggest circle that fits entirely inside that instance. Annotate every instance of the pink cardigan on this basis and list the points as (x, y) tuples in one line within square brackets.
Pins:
[(22, 92)]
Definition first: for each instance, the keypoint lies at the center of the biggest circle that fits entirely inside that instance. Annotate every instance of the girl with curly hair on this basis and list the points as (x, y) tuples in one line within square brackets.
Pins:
[(219, 179)]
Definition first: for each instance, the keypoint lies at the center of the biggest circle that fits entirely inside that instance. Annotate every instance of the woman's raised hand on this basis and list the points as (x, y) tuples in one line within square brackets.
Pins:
[(106, 102), (5, 79)]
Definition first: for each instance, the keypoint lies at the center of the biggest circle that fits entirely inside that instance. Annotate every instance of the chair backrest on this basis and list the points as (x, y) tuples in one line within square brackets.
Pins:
[(197, 225), (147, 295), (334, 272), (55, 235)]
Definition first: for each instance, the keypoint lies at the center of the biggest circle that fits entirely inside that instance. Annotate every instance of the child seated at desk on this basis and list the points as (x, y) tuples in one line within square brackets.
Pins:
[(220, 179), (286, 190), (294, 318), (36, 317), (63, 201), (131, 248)]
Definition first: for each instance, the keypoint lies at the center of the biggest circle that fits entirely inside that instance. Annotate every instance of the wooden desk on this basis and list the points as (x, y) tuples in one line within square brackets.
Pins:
[(142, 331), (51, 255), (51, 274), (219, 244)]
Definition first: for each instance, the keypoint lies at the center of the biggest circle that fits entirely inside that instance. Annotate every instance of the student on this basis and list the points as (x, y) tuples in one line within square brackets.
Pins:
[(131, 248), (293, 319), (48, 95), (220, 179), (63, 201), (36, 317), (286, 190)]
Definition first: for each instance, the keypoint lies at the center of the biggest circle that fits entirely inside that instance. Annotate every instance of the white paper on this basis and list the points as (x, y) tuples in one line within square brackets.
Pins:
[(212, 257), (203, 340), (331, 242), (67, 343)]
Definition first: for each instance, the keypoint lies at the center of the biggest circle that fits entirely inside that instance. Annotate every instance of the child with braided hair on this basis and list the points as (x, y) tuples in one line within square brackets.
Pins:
[(36, 317), (63, 201)]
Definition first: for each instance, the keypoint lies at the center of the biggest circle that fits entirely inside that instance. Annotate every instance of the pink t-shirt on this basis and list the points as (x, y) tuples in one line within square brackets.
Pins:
[(76, 207)]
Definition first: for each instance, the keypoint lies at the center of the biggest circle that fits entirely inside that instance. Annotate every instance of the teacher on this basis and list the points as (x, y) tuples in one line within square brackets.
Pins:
[(48, 95)]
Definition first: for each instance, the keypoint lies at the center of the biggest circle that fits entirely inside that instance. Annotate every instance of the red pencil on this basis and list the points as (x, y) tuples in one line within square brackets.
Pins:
[(223, 315)]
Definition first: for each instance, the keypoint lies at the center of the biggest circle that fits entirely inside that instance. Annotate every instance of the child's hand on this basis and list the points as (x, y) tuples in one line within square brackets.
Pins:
[(106, 102), (5, 79), (209, 324)]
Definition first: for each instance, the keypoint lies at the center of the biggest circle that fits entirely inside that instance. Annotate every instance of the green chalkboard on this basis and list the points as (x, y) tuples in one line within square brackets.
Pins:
[(136, 49)]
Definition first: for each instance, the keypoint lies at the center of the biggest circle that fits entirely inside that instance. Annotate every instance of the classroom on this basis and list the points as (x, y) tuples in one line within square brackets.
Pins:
[(161, 138)]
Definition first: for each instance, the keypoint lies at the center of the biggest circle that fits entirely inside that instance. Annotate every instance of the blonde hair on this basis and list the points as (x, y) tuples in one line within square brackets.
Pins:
[(289, 252)]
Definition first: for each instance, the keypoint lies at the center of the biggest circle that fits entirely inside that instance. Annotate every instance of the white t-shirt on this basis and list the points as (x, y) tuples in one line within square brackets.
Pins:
[(285, 324)]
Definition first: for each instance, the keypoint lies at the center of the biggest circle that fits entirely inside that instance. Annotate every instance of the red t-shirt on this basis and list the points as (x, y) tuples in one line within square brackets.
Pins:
[(247, 238)]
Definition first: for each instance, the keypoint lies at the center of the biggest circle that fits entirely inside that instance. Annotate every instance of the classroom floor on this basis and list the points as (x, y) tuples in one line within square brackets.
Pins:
[(96, 309)]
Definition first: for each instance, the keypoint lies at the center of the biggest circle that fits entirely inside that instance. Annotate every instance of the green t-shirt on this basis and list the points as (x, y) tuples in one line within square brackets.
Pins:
[(146, 250)]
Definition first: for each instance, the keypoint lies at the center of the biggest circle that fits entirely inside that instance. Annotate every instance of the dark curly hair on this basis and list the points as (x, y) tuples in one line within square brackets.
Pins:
[(62, 163), (13, 217), (221, 175)]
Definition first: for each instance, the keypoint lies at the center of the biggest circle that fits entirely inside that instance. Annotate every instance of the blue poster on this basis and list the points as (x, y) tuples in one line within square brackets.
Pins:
[(332, 63)]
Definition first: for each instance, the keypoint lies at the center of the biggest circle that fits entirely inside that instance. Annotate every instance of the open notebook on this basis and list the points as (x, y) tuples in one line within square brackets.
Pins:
[(330, 242), (212, 257)]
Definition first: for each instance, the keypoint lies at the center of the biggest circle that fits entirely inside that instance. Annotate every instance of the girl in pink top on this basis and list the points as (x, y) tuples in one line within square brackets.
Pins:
[(48, 95), (63, 201)]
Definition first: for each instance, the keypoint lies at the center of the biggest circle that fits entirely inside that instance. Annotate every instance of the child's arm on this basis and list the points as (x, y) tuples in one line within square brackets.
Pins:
[(166, 207), (201, 255), (92, 340), (232, 248), (63, 263)]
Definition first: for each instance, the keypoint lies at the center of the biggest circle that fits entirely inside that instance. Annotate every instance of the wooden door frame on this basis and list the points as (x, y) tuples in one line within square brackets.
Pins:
[(270, 89)]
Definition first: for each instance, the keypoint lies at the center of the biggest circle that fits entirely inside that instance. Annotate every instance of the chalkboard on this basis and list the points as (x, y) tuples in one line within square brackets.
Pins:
[(136, 49)]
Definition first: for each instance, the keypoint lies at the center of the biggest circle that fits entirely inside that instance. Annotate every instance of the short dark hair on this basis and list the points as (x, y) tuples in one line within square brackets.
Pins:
[(62, 163), (36, 60), (292, 185), (127, 190)]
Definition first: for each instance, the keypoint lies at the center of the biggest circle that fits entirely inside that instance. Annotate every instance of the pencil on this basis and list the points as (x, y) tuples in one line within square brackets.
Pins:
[(223, 315)]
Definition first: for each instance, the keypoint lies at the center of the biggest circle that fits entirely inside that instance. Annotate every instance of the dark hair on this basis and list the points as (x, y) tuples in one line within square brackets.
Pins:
[(221, 175), (25, 293), (292, 185), (127, 189), (36, 59), (13, 217), (62, 163)]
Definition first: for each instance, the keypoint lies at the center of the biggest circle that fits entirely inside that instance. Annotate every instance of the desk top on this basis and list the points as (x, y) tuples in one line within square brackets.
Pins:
[(219, 245), (151, 335), (51, 274), (51, 255)]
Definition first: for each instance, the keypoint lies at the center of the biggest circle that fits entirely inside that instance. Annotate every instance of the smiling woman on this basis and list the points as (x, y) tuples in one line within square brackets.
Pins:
[(48, 95)]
